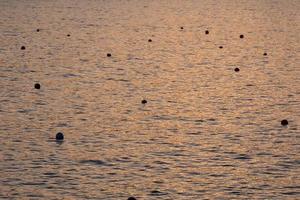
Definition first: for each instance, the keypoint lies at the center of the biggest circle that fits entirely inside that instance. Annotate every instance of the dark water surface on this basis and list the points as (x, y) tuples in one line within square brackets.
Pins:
[(207, 132)]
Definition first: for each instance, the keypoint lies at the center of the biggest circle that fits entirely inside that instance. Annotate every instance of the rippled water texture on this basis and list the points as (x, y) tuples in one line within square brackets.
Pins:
[(206, 131)]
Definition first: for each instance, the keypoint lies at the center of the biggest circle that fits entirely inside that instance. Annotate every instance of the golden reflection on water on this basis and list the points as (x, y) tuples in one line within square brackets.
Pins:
[(206, 132)]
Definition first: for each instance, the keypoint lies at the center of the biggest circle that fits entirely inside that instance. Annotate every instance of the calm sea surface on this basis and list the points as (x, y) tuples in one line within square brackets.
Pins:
[(207, 132)]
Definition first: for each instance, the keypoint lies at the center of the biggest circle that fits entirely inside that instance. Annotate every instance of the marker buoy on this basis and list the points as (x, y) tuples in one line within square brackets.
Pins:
[(131, 198), (23, 48), (221, 47), (241, 36), (237, 69), (108, 55), (149, 40), (206, 32), (284, 122), (144, 101), (37, 86), (37, 30), (59, 136)]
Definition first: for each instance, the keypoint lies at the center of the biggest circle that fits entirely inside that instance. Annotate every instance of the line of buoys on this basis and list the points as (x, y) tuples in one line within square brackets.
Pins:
[(37, 86), (284, 122), (59, 136)]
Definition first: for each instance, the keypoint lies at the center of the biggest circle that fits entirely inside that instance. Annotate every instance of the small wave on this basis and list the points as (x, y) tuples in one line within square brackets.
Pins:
[(95, 162)]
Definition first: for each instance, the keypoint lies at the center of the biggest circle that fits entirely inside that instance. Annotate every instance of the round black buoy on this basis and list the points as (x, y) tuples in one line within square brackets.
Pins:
[(236, 69), (144, 101), (37, 30), (241, 36), (284, 122), (59, 136), (149, 40), (131, 198), (68, 35), (206, 32), (37, 86), (220, 47), (265, 54), (181, 28), (108, 55), (23, 48)]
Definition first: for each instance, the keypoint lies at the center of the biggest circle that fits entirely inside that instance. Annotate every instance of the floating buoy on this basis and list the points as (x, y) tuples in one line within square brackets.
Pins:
[(108, 55), (265, 54), (37, 86), (131, 198), (59, 136), (37, 30), (221, 47), (284, 122), (241, 36), (68, 35), (206, 32), (236, 69), (144, 101), (181, 28), (23, 48), (149, 40)]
